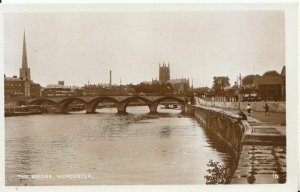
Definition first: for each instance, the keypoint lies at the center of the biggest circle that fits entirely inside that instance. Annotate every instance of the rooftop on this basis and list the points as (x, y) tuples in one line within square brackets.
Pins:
[(12, 78), (56, 86), (175, 81)]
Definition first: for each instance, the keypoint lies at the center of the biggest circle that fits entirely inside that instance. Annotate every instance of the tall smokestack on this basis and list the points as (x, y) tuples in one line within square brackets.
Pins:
[(109, 77)]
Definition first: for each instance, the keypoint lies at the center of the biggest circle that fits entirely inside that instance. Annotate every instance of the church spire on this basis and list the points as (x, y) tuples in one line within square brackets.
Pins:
[(24, 71), (24, 57)]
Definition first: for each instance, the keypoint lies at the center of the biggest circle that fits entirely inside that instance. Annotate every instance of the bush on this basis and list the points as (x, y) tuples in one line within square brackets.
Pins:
[(217, 173)]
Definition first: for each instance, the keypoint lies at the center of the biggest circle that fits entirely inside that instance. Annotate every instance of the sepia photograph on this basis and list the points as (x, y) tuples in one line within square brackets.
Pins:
[(145, 97)]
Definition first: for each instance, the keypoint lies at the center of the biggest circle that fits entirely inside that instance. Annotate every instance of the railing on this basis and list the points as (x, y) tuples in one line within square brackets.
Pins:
[(99, 95)]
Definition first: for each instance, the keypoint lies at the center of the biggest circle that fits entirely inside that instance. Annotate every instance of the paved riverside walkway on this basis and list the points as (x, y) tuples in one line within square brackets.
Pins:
[(275, 123), (263, 155)]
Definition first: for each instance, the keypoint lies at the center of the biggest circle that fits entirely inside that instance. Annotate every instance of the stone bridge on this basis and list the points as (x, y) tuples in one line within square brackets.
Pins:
[(91, 102)]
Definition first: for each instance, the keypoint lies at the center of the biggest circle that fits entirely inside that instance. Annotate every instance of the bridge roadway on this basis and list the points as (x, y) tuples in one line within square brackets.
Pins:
[(91, 102)]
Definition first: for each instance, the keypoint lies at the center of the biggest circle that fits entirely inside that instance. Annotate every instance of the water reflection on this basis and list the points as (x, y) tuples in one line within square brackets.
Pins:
[(165, 131), (221, 147)]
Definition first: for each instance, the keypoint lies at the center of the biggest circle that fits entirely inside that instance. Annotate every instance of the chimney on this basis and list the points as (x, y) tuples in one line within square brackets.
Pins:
[(109, 77)]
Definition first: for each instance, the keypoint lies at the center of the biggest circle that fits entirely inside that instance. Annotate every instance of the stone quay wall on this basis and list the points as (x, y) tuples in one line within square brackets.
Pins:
[(226, 127)]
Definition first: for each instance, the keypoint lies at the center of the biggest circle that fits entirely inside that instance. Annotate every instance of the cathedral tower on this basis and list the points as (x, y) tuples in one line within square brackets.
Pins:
[(164, 73)]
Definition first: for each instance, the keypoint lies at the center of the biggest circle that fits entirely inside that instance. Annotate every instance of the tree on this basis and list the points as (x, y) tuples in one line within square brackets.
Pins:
[(217, 173), (153, 88), (169, 88), (200, 91), (248, 79), (271, 73), (220, 83)]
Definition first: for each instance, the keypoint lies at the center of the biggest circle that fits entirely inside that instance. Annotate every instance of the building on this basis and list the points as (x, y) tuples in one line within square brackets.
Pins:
[(107, 89), (23, 86), (283, 80), (269, 87), (35, 90), (60, 90), (181, 86), (164, 73), (56, 90), (100, 89), (14, 87)]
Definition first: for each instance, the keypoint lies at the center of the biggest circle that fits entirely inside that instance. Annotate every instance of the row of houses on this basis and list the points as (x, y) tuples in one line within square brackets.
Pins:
[(271, 87), (265, 87), (14, 87)]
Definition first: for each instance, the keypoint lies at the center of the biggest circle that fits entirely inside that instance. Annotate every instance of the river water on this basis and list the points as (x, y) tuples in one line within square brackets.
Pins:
[(107, 148)]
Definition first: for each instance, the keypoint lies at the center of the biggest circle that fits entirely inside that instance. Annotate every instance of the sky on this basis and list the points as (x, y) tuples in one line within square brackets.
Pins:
[(82, 47)]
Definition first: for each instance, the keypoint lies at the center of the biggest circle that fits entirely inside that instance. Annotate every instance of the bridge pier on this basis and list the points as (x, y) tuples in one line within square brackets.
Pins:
[(59, 109), (90, 108), (153, 108), (90, 111), (184, 108), (121, 107)]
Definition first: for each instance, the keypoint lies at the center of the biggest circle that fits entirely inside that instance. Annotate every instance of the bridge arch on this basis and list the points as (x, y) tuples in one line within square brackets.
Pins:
[(123, 104), (180, 101), (62, 106), (92, 105), (41, 101)]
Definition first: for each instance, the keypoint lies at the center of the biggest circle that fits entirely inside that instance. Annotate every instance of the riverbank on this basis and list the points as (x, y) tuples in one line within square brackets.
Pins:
[(262, 157)]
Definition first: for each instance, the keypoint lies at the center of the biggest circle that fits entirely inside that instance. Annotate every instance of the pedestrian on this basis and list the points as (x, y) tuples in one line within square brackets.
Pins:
[(242, 116), (266, 109), (249, 109)]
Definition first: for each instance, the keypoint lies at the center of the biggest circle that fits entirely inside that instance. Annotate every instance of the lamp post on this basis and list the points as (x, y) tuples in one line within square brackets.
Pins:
[(239, 90), (220, 83), (119, 88)]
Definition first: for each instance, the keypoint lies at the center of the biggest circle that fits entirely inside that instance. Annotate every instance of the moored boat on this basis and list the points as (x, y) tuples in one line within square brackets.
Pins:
[(22, 110)]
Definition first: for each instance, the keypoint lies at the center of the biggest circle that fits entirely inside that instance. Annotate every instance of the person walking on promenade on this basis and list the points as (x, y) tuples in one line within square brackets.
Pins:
[(249, 109), (267, 110), (242, 116)]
